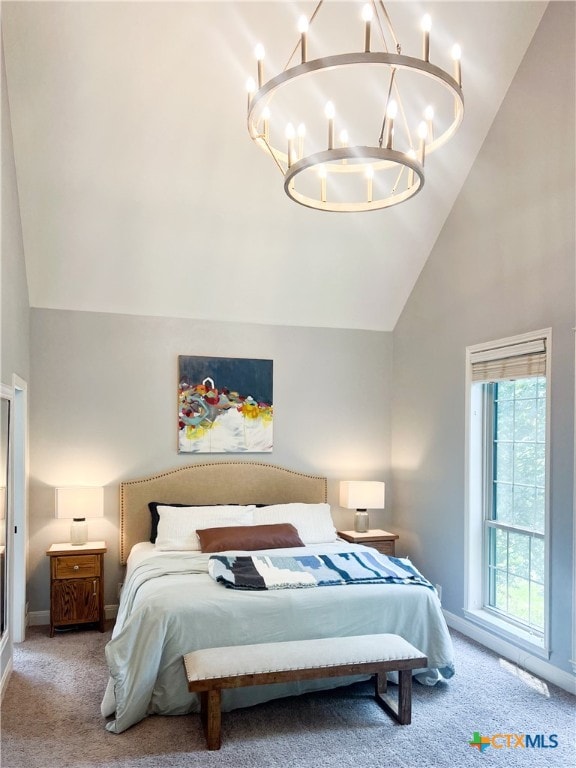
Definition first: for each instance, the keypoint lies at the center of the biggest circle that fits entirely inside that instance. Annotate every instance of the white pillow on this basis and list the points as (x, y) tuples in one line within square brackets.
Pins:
[(312, 521), (177, 526)]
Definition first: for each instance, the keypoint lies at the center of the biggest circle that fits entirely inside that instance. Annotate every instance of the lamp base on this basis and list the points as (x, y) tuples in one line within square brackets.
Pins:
[(361, 521), (79, 531)]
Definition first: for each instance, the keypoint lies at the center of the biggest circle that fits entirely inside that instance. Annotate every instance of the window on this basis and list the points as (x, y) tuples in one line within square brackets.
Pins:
[(507, 468), (515, 509)]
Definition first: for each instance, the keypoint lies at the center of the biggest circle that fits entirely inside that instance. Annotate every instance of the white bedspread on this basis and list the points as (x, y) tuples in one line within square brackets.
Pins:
[(170, 606)]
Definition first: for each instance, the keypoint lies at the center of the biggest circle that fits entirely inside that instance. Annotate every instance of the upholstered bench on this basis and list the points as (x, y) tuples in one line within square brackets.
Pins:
[(211, 669)]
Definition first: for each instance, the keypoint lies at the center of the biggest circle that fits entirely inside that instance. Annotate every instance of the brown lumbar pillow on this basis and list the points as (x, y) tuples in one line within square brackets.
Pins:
[(249, 537)]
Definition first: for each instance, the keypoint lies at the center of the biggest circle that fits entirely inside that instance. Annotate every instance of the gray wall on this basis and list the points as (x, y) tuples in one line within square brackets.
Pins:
[(503, 265), (104, 409), (14, 289)]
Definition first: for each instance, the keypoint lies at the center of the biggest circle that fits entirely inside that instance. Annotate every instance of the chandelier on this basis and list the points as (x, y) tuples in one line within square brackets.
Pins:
[(351, 131)]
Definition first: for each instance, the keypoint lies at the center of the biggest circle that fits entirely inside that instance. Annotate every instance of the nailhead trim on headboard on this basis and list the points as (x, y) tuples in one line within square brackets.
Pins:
[(277, 484)]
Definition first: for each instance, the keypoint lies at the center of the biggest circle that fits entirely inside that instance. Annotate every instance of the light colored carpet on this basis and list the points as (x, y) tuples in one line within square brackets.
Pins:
[(51, 719)]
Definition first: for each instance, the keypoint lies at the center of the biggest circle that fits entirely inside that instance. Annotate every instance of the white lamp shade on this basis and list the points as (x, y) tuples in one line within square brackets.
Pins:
[(362, 494), (79, 502)]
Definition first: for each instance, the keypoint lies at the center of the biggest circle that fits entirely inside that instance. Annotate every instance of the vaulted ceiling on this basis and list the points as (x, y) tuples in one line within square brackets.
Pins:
[(141, 192)]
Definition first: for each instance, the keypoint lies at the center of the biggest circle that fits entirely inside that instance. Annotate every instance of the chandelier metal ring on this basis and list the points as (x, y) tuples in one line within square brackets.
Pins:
[(264, 95), (378, 158)]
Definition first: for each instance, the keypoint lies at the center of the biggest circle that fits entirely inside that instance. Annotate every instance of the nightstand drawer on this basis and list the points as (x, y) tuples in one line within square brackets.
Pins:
[(384, 547), (75, 566)]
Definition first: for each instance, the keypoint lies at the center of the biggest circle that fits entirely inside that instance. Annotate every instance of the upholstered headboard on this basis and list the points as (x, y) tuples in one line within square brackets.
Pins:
[(226, 482)]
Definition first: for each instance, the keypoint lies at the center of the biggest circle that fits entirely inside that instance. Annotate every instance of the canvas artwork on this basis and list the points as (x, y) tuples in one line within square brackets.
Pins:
[(224, 405)]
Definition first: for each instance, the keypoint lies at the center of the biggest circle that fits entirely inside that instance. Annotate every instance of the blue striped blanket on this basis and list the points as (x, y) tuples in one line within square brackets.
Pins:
[(297, 571)]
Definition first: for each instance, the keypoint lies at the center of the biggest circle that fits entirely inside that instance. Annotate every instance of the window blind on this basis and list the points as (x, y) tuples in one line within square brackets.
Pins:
[(513, 361)]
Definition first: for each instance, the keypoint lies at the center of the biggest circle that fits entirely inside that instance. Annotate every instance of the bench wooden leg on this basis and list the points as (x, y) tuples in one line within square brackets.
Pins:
[(400, 710), (211, 715), (405, 697), (380, 683)]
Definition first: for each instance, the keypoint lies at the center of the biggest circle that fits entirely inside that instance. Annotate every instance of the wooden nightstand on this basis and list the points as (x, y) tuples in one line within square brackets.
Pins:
[(383, 541), (76, 584)]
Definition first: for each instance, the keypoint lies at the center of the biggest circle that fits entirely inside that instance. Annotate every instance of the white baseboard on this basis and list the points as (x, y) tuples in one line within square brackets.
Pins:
[(5, 677), (38, 618), (519, 656)]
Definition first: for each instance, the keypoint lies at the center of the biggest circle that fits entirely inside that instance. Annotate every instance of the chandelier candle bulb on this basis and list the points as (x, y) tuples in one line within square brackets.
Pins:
[(369, 181), (457, 56), (426, 27), (301, 133), (391, 112), (266, 121), (422, 134), (388, 134), (303, 29), (290, 133), (251, 89), (330, 112), (422, 153), (259, 53), (367, 16), (429, 117)]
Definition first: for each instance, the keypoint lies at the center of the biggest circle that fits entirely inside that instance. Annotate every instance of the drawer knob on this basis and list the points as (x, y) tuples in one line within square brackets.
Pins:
[(76, 567)]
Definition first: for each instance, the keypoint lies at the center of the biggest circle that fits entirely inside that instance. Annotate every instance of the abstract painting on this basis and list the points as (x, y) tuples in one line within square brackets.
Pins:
[(225, 405)]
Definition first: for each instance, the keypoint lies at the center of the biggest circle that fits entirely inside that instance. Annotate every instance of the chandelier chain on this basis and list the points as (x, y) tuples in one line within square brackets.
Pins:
[(270, 149), (379, 26), (392, 76), (403, 115), (389, 22)]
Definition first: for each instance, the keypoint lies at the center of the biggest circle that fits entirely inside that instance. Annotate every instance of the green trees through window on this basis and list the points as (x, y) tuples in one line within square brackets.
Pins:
[(515, 510)]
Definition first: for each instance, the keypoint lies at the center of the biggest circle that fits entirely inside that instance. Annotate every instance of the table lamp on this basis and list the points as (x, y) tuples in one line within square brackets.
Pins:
[(77, 504), (362, 495)]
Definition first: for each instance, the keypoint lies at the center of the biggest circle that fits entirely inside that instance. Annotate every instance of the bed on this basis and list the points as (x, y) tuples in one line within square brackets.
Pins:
[(171, 605)]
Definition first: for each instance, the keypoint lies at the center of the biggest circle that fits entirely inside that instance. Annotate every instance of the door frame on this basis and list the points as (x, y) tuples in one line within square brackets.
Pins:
[(19, 507)]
